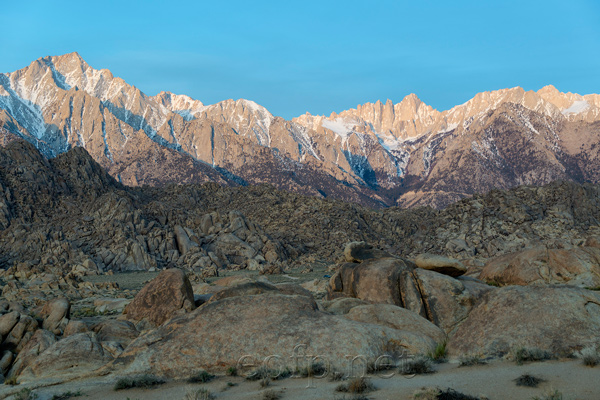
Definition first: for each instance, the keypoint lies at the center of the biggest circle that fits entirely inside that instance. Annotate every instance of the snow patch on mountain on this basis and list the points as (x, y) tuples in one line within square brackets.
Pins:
[(23, 110), (339, 126), (388, 142), (577, 107)]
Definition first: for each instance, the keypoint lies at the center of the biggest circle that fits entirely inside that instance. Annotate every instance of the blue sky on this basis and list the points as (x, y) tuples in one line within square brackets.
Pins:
[(317, 56)]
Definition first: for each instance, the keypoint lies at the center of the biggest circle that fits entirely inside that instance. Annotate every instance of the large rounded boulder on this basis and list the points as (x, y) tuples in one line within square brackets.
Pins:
[(577, 266), (218, 334), (560, 320), (167, 295)]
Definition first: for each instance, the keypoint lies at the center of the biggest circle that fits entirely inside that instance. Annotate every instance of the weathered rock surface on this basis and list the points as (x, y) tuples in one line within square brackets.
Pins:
[(447, 301), (556, 319), (39, 342), (217, 334), (439, 298), (396, 318), (577, 266), (441, 264), (20, 333), (70, 357), (8, 322), (384, 281), (342, 305), (167, 295), (361, 251), (56, 315), (74, 327), (122, 332)]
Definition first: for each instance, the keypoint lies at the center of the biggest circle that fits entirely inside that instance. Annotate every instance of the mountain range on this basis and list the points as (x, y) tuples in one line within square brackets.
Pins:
[(378, 154)]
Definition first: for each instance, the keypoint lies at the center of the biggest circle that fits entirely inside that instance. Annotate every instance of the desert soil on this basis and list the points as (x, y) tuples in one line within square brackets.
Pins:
[(494, 380)]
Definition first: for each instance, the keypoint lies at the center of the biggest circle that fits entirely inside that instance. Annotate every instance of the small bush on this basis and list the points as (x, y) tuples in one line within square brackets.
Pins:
[(200, 394), (201, 377), (426, 394), (525, 354), (271, 395), (335, 376), (416, 366), (438, 354), (12, 381), (354, 397), (469, 360), (317, 369), (232, 371), (438, 394), (590, 357), (264, 382), (356, 385), (552, 394), (67, 395), (261, 373), (144, 381), (25, 394), (528, 380), (264, 372)]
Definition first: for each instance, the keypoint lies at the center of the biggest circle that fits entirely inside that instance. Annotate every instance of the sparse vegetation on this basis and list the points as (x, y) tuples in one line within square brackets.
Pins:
[(552, 394), (528, 380), (525, 354), (439, 394), (228, 385), (25, 394), (201, 377), (471, 359), (264, 382), (12, 381), (264, 372), (87, 312), (438, 354), (356, 385), (493, 283), (199, 394), (231, 371), (144, 381), (416, 366), (354, 397), (271, 395), (335, 376), (317, 369), (67, 395), (590, 356)]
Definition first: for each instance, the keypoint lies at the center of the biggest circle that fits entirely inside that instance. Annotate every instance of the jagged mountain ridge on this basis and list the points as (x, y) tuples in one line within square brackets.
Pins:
[(58, 213), (377, 154)]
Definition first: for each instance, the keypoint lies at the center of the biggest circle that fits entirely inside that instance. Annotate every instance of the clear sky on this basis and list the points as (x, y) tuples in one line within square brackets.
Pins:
[(317, 56)]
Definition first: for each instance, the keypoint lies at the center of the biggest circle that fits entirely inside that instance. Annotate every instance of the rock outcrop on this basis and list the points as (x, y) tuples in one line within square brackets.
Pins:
[(559, 320), (577, 266), (439, 298), (70, 357), (166, 296), (223, 331), (441, 264)]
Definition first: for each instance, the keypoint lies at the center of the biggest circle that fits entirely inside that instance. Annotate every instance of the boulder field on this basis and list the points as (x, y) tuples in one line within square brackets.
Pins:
[(375, 304)]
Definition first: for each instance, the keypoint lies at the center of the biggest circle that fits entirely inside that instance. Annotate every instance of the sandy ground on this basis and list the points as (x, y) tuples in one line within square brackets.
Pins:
[(136, 280), (495, 380)]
